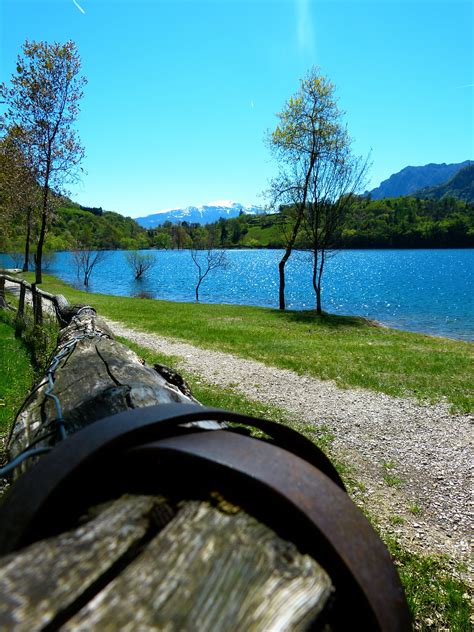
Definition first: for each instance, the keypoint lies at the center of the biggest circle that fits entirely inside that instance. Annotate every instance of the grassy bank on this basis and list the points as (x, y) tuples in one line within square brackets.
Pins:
[(351, 351), (16, 369)]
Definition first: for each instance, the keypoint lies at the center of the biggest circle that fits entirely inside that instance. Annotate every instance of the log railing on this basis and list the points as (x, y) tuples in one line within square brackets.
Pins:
[(36, 296), (134, 507)]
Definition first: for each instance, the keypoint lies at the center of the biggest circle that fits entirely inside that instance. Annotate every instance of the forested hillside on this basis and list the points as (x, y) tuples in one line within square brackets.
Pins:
[(461, 186), (404, 222), (74, 226)]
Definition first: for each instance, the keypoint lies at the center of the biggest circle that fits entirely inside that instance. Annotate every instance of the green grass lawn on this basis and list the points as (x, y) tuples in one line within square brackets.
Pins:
[(16, 370), (351, 351)]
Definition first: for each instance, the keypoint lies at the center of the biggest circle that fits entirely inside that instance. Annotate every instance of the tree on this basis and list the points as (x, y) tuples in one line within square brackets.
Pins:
[(307, 135), (42, 107), (206, 258), (19, 191), (333, 189), (85, 261), (140, 262)]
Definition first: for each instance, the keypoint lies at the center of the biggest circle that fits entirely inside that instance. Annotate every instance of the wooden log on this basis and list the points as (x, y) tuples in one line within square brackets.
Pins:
[(207, 568), (143, 563), (95, 377)]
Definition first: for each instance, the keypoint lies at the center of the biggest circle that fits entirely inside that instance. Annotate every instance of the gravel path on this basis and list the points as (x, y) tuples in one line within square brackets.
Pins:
[(414, 461)]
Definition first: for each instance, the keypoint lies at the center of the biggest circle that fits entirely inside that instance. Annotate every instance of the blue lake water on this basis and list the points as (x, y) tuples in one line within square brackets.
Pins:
[(430, 291)]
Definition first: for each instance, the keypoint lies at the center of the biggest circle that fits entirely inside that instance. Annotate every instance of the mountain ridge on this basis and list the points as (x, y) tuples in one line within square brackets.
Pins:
[(202, 214), (410, 179), (460, 186)]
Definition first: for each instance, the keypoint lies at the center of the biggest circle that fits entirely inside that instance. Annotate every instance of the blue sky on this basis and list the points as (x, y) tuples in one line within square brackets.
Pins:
[(181, 93)]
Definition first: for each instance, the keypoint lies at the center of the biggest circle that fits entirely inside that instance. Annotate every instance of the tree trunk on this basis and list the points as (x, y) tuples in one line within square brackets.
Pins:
[(26, 262), (286, 256), (42, 235), (44, 222)]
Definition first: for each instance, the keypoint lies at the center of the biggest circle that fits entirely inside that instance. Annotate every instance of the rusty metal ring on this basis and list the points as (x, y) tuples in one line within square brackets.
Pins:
[(27, 499), (335, 531)]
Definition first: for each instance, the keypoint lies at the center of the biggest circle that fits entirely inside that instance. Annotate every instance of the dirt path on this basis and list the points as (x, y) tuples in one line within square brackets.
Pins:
[(414, 461)]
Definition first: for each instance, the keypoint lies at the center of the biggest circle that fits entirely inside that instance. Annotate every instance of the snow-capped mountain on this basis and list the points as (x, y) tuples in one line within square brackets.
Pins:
[(204, 214)]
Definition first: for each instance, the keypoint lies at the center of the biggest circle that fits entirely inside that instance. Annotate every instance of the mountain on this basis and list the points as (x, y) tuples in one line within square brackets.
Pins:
[(204, 214), (412, 179), (461, 186)]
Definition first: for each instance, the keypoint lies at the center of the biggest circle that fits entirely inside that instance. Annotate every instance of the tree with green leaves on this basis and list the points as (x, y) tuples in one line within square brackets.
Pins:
[(19, 193), (310, 135), (42, 108)]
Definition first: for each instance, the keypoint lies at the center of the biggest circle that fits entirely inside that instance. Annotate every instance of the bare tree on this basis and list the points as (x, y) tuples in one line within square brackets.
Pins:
[(17, 258), (333, 187), (140, 262), (42, 107), (85, 261), (206, 258)]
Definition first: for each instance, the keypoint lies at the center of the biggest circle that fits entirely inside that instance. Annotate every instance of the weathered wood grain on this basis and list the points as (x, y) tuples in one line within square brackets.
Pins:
[(211, 570), (46, 578)]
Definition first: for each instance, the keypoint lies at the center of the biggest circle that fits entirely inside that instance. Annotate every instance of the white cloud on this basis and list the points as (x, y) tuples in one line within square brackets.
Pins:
[(304, 27)]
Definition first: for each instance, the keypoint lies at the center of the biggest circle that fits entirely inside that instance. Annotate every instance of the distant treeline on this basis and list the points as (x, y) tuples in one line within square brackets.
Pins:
[(404, 222)]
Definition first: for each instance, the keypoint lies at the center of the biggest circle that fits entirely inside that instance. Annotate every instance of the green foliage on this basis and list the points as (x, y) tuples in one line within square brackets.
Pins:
[(39, 340), (404, 222), (460, 186), (72, 225), (409, 222)]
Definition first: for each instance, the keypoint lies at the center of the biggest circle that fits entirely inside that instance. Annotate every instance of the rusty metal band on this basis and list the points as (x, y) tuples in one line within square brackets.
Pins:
[(340, 537), (26, 508)]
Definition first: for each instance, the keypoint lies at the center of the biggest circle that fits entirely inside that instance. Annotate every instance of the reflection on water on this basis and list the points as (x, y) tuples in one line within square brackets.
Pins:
[(419, 290)]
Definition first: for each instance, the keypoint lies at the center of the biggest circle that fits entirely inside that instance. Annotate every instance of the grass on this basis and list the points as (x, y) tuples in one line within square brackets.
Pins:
[(438, 599), (349, 350), (390, 478), (16, 369)]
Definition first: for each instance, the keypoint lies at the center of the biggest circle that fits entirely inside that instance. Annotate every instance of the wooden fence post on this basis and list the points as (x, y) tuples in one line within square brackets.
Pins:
[(37, 305), (21, 302)]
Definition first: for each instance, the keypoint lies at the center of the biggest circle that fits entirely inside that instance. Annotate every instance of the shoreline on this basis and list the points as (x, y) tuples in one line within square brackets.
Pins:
[(371, 322)]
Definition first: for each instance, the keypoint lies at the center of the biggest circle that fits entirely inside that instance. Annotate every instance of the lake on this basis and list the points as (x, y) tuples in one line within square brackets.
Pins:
[(430, 291)]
